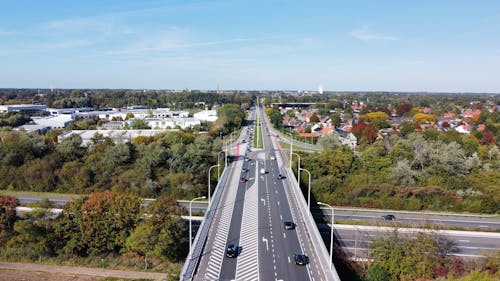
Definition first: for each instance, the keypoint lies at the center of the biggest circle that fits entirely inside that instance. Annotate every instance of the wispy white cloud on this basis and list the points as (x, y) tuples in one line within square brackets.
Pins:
[(365, 35), (5, 33), (64, 44), (179, 40), (106, 25)]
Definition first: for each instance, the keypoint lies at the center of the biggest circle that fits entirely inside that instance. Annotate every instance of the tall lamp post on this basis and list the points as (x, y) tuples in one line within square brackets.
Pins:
[(309, 188), (190, 219), (298, 167), (218, 168), (209, 170), (331, 231)]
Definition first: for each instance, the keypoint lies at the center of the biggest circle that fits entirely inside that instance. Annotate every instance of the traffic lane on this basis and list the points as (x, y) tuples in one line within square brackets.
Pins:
[(411, 218), (228, 268), (290, 270), (23, 199), (215, 234), (460, 244), (276, 254), (267, 263), (287, 240)]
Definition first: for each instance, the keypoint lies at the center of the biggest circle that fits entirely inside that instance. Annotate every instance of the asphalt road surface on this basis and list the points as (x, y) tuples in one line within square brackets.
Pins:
[(251, 215), (357, 239)]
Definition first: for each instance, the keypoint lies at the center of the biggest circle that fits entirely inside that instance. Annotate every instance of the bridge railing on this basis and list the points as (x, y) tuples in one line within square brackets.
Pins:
[(193, 258), (312, 228)]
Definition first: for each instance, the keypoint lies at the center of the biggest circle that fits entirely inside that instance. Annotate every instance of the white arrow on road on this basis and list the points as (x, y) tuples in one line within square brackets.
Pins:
[(263, 201), (265, 241)]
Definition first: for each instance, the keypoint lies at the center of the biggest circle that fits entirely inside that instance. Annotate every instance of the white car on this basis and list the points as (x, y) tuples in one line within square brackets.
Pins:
[(272, 157), (262, 170)]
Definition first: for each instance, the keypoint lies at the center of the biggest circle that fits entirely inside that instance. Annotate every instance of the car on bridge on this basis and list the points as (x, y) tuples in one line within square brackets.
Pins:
[(289, 225), (300, 259), (231, 250)]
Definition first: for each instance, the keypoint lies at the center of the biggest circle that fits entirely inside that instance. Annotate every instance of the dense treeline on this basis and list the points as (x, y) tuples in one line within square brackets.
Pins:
[(122, 98), (167, 163), (438, 102), (170, 163), (438, 171), (409, 167), (425, 256), (102, 225)]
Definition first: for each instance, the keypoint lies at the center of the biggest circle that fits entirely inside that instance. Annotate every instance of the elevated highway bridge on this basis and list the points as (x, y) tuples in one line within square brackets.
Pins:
[(250, 213)]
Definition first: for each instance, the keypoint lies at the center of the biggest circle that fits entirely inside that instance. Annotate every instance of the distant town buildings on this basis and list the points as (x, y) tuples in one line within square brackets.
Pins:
[(118, 136), (115, 121), (26, 108)]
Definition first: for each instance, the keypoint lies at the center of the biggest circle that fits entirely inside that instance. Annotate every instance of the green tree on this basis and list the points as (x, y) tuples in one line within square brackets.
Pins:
[(314, 119), (330, 141), (143, 241), (163, 230), (377, 273), (403, 174), (99, 224), (8, 206), (229, 117), (34, 235), (409, 258), (139, 124)]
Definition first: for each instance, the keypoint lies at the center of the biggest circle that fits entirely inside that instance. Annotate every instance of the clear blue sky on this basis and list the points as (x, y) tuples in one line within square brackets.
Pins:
[(424, 45)]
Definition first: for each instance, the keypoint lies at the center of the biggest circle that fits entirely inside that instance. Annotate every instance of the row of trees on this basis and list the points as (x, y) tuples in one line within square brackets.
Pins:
[(101, 224), (105, 98), (167, 163), (424, 256), (424, 171)]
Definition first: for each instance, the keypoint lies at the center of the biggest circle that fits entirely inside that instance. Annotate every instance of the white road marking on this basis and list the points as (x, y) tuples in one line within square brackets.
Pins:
[(464, 241), (263, 201), (265, 241), (284, 235)]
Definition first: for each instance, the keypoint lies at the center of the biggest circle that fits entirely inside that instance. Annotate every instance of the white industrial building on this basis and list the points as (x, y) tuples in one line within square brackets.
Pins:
[(27, 108), (118, 136), (166, 123), (60, 121), (206, 115)]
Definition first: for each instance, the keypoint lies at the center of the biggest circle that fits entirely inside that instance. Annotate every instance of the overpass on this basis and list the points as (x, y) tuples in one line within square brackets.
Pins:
[(250, 213)]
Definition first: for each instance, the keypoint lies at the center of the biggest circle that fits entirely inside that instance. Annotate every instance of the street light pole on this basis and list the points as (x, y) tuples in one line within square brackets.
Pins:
[(298, 167), (218, 168), (331, 232), (309, 189), (291, 148), (190, 219), (209, 170)]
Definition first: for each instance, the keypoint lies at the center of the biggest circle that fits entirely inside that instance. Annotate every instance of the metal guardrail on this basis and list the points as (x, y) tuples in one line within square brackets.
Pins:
[(312, 228), (193, 258)]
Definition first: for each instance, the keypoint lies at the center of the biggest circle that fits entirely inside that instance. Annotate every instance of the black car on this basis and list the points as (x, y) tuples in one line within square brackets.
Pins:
[(231, 251), (300, 259), (388, 217), (289, 225)]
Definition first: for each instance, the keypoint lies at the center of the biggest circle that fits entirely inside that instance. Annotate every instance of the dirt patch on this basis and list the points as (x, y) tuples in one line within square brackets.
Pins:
[(16, 275), (30, 271)]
